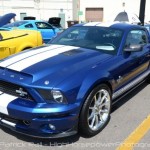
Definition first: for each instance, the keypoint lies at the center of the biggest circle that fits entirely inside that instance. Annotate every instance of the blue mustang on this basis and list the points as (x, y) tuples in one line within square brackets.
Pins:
[(69, 85), (47, 31)]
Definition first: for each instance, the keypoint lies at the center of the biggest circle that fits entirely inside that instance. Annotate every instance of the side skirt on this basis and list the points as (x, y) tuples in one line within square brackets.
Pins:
[(126, 93), (131, 86)]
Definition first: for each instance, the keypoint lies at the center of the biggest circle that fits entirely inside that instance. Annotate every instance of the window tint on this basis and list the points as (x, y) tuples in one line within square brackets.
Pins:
[(97, 38), (43, 25), (136, 37), (29, 26)]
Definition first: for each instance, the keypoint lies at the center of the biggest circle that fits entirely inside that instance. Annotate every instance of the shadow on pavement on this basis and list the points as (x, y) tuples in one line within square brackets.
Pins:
[(128, 97)]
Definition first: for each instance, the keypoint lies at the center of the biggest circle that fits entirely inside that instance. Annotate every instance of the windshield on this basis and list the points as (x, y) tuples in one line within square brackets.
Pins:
[(92, 37), (15, 24)]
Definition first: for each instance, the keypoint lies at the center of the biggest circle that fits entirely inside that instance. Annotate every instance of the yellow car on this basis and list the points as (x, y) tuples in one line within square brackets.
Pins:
[(14, 41)]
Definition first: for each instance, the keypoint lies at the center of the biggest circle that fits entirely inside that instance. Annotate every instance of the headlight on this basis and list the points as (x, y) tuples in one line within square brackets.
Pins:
[(58, 96), (52, 96)]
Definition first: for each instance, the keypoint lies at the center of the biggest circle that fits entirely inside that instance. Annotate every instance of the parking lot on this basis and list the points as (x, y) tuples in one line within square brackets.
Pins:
[(128, 114)]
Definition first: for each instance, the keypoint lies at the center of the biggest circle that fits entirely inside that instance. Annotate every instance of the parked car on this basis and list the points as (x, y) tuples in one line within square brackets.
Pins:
[(47, 30), (15, 41), (70, 84)]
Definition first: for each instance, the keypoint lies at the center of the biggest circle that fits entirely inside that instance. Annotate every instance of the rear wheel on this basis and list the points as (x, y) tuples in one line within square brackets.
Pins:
[(96, 110)]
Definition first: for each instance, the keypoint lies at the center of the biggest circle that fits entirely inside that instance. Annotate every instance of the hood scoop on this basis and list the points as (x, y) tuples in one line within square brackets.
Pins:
[(73, 52)]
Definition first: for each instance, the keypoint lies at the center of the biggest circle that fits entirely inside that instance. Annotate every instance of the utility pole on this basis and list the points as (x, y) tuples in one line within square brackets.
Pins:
[(142, 11)]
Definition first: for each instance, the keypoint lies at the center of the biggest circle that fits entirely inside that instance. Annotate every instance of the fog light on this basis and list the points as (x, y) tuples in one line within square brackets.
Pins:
[(26, 122), (52, 127)]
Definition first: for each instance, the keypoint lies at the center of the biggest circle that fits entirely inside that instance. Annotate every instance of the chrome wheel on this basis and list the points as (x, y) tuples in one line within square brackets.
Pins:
[(99, 109), (95, 113)]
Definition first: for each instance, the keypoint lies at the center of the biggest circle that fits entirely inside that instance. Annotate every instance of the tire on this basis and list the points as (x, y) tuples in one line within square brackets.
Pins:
[(95, 113)]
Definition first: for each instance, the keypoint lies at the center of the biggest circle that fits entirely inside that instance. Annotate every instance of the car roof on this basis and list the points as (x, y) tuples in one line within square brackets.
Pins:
[(118, 25), (28, 21)]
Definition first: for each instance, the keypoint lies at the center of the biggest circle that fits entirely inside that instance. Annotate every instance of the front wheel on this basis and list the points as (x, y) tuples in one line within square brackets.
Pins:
[(96, 110)]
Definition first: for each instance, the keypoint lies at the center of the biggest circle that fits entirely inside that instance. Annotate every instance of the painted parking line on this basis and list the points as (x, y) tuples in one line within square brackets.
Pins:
[(136, 135)]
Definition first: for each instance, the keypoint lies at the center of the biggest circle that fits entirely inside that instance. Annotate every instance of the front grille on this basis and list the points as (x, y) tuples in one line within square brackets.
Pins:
[(14, 90)]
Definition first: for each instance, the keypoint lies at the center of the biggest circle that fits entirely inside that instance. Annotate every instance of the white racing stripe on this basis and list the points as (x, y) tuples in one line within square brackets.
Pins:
[(107, 24), (25, 63), (27, 54), (5, 99), (103, 24), (91, 24)]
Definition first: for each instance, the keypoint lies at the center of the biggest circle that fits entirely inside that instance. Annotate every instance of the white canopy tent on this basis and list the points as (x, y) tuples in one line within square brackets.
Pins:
[(127, 17)]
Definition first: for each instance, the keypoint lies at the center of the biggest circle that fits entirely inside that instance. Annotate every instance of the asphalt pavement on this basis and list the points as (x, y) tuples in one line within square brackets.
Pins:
[(126, 116)]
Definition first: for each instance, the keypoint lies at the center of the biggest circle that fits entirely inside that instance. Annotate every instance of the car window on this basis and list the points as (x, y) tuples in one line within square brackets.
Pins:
[(43, 25), (135, 37), (29, 25), (96, 38)]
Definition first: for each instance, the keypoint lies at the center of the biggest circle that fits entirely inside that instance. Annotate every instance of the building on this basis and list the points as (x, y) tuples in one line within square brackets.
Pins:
[(80, 10), (106, 10), (41, 9)]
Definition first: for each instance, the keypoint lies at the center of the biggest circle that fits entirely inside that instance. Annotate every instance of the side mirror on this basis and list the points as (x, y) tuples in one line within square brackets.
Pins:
[(134, 48)]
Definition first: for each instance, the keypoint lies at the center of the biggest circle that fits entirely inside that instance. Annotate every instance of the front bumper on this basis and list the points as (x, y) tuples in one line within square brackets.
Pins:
[(41, 120), (41, 132)]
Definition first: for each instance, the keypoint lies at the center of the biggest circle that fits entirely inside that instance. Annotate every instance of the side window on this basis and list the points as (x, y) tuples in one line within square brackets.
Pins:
[(29, 26), (43, 25), (136, 37)]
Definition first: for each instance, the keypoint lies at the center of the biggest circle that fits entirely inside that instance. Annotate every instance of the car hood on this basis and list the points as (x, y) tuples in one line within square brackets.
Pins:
[(54, 63), (54, 21), (6, 18)]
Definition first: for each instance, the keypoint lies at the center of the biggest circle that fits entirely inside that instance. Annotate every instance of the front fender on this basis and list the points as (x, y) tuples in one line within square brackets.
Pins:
[(92, 80)]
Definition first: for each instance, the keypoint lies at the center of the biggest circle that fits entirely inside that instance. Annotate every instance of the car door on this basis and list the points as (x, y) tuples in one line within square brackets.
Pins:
[(47, 31), (133, 65)]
